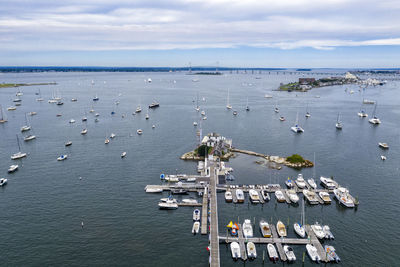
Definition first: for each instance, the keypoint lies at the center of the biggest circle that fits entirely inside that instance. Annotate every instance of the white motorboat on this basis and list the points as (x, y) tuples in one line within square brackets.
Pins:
[(138, 109), (97, 114), (74, 99), (254, 197), (106, 141), (196, 214), (289, 183), (265, 195), (299, 229), (272, 253), (328, 183), (68, 143), (62, 157), (383, 145), (153, 126), (25, 128), (123, 154), (13, 168), (289, 253), (84, 131), (84, 119), (149, 80), (71, 121), (317, 229), (311, 197), (342, 194), (235, 250), (203, 113), (366, 101), (327, 232), (300, 181), (279, 196), (267, 96), (139, 132), (251, 250), (194, 123), (205, 117), (325, 197), (32, 113), (280, 227), (196, 227), (331, 253), (147, 116), (281, 118), (3, 181), (247, 229), (313, 253), (29, 138), (312, 183), (170, 204), (235, 112), (228, 196), (292, 195), (265, 229), (189, 201), (154, 190), (239, 195)]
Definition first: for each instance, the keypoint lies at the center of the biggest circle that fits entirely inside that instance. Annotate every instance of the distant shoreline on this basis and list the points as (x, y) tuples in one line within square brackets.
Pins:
[(7, 85)]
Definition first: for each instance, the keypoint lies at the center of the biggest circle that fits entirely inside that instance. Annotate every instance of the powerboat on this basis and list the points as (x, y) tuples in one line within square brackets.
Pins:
[(317, 228), (84, 119), (179, 191), (62, 157), (123, 154), (327, 232), (154, 190), (247, 229), (147, 116), (289, 183), (13, 168), (228, 196), (138, 109), (235, 250), (29, 138), (154, 104), (139, 131), (292, 195), (342, 194), (299, 229), (168, 205), (235, 112), (311, 197), (196, 215), (190, 201), (328, 183), (3, 181), (273, 255), (254, 197), (32, 113), (68, 143), (195, 123), (331, 253), (196, 227), (265, 195), (325, 197), (383, 145), (300, 181), (265, 229), (312, 183), (280, 227), (289, 253), (25, 128), (251, 250), (239, 195), (279, 196), (313, 253), (84, 131), (71, 121)]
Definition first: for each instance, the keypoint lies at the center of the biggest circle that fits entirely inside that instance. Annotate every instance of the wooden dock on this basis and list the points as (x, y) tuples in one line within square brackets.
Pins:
[(204, 212), (260, 196), (275, 236), (287, 199), (190, 204), (314, 240), (241, 243), (214, 242)]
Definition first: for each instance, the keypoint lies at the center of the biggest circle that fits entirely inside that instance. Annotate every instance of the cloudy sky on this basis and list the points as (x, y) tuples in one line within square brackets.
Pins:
[(248, 33)]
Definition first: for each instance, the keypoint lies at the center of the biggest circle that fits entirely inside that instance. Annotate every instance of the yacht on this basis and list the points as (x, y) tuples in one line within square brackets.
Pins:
[(383, 145), (84, 131), (362, 114), (235, 250), (68, 143), (106, 141), (312, 183), (74, 99), (289, 183), (311, 197), (280, 227), (342, 194), (289, 253), (297, 129), (292, 195), (325, 197), (328, 183), (139, 132), (25, 128), (228, 196), (273, 255), (19, 93), (300, 181), (29, 138), (168, 205), (313, 253), (196, 227), (265, 229), (97, 114), (19, 154), (327, 232), (251, 250), (279, 196), (154, 104), (254, 197), (331, 254), (123, 154), (96, 98), (196, 215), (62, 157), (3, 181), (239, 195), (13, 168), (2, 118), (317, 229), (374, 119), (265, 195), (299, 229), (247, 229)]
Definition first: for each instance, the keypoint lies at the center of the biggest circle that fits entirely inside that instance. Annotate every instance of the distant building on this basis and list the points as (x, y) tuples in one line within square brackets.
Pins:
[(350, 76), (306, 80)]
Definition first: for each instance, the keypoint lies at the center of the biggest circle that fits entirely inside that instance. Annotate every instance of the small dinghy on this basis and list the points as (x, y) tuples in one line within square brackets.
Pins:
[(265, 229), (331, 254), (280, 227), (62, 157), (68, 143), (289, 253), (196, 215), (84, 131), (251, 250)]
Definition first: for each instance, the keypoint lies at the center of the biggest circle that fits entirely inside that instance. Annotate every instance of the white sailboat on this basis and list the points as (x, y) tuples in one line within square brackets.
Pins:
[(2, 119), (39, 99), (374, 119), (228, 106), (339, 124), (19, 154), (247, 104), (308, 112), (299, 226), (362, 113), (26, 127), (296, 128)]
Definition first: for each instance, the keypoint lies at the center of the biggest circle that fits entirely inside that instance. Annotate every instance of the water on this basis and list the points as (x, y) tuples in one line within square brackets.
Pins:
[(45, 201)]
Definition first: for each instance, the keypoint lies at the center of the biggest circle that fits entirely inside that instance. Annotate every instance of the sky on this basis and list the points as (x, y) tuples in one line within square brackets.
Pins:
[(230, 33)]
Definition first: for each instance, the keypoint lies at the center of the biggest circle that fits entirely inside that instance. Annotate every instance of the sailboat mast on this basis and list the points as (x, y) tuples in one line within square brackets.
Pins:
[(19, 147), (1, 113)]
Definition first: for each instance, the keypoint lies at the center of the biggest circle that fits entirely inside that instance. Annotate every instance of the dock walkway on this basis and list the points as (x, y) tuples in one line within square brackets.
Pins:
[(214, 242), (204, 212)]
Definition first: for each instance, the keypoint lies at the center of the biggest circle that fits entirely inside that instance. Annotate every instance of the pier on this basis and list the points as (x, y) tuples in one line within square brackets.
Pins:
[(204, 212), (214, 242)]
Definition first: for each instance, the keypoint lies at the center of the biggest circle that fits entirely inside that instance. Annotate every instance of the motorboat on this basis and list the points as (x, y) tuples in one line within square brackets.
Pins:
[(317, 229), (247, 229), (254, 197), (17, 100), (342, 194), (179, 191), (205, 117), (154, 104), (3, 181), (267, 96), (18, 155), (194, 123), (60, 103), (138, 109), (235, 112), (383, 145), (168, 205), (29, 137), (149, 80), (265, 229), (327, 232), (272, 253), (313, 253), (52, 101), (68, 143), (328, 183), (147, 116), (331, 253), (74, 99), (299, 229), (311, 197), (308, 114), (25, 128), (13, 168), (139, 132), (58, 115), (203, 113), (281, 118), (239, 195), (289, 253), (280, 227), (339, 124), (97, 114), (62, 157), (11, 108), (32, 113), (189, 201), (112, 135), (96, 98), (84, 119), (292, 195), (300, 181), (123, 154), (84, 131), (154, 190), (71, 121), (228, 196), (106, 141), (196, 215), (265, 195), (251, 250), (196, 227), (289, 183), (312, 183), (325, 197), (279, 196), (366, 101), (153, 126), (235, 250), (19, 93), (383, 157), (276, 110)]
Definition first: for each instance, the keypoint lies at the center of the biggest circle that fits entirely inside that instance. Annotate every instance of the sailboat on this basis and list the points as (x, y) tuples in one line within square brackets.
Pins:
[(308, 113), (197, 102), (228, 106), (2, 119), (362, 113), (276, 109), (19, 154), (40, 99), (299, 226), (339, 124), (247, 104), (26, 127), (374, 119), (296, 128)]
